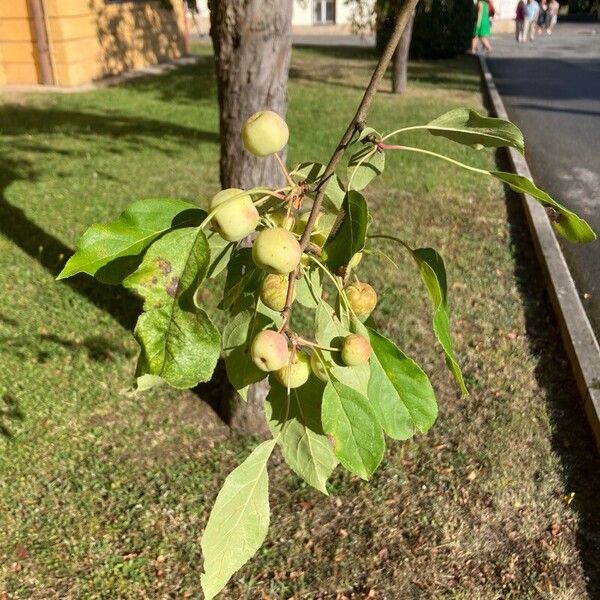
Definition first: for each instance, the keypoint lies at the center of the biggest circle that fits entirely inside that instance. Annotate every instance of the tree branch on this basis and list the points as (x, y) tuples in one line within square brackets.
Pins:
[(355, 124)]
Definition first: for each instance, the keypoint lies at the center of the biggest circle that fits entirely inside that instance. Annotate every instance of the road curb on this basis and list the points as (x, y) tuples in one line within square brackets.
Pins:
[(576, 331)]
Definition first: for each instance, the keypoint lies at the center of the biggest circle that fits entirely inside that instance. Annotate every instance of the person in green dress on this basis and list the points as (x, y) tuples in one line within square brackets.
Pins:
[(481, 30)]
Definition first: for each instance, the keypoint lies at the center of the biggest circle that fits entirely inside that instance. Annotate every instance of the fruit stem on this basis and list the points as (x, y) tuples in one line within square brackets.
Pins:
[(356, 124), (284, 170), (304, 342)]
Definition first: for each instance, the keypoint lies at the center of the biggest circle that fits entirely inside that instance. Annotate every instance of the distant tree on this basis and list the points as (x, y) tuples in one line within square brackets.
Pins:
[(441, 29)]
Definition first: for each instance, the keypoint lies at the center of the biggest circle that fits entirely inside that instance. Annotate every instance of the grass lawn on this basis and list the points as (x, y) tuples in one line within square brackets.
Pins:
[(105, 496)]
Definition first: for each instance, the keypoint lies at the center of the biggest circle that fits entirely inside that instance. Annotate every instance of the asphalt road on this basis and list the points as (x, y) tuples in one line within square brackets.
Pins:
[(551, 90)]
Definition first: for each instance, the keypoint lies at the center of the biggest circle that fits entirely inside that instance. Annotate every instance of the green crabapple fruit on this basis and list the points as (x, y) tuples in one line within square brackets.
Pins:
[(238, 218), (356, 350), (264, 133), (269, 350), (319, 366), (298, 371), (276, 251), (273, 291), (362, 298)]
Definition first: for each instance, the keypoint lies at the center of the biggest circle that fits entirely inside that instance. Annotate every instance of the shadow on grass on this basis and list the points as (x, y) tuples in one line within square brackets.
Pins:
[(572, 439), (10, 414), (24, 122), (51, 253)]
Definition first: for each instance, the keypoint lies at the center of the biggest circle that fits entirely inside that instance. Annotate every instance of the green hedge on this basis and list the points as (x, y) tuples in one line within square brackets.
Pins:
[(442, 28)]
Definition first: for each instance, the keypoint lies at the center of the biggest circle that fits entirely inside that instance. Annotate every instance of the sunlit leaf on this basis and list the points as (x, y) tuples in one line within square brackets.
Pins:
[(410, 383), (364, 165), (238, 522), (358, 438), (571, 226), (468, 127), (295, 422), (179, 342), (111, 251)]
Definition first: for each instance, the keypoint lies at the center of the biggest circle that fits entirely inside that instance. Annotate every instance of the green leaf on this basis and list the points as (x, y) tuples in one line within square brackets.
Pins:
[(220, 253), (473, 129), (111, 251), (309, 288), (348, 235), (348, 417), (364, 166), (433, 273), (410, 383), (568, 224), (179, 342), (329, 331), (237, 336), (238, 522), (295, 422), (243, 278), (311, 172)]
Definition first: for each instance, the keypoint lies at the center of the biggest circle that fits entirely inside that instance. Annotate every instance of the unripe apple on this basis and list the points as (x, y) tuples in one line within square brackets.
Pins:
[(319, 366), (276, 251), (356, 350), (264, 133), (280, 218), (269, 350), (237, 218), (273, 291), (362, 298), (298, 371)]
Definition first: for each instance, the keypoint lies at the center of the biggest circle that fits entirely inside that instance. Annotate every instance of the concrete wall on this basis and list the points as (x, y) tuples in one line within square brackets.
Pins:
[(88, 39)]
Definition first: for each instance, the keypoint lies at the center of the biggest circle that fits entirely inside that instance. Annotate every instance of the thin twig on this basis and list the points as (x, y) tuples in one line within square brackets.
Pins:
[(355, 125)]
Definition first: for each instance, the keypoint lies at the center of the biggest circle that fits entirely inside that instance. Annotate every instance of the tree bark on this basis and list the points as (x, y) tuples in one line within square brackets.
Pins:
[(400, 62), (252, 43)]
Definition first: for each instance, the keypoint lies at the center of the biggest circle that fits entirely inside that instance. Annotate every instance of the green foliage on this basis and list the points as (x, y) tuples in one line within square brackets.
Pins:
[(566, 222), (178, 340), (239, 520), (468, 127), (441, 29), (295, 422), (351, 421), (165, 251), (111, 251), (349, 233)]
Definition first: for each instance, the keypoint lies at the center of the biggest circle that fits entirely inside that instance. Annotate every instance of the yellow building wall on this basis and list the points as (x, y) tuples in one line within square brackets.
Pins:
[(18, 56), (90, 39)]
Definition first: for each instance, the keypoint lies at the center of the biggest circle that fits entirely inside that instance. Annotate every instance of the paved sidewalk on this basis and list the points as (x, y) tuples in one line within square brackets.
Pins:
[(551, 89)]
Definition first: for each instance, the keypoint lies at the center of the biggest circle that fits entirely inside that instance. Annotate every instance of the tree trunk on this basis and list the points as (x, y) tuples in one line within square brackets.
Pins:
[(252, 42), (400, 63)]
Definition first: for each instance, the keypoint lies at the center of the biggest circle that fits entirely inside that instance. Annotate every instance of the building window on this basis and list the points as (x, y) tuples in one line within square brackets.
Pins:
[(324, 11)]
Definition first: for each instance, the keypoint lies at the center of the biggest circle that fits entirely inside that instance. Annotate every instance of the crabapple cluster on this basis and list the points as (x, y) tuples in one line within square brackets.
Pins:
[(277, 251)]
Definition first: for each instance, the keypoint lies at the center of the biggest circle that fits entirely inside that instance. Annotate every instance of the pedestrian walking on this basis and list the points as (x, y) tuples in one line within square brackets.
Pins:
[(481, 30), (520, 22), (532, 8), (541, 20), (551, 15)]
